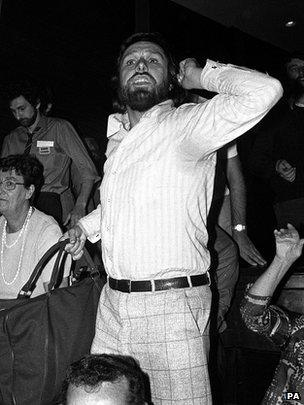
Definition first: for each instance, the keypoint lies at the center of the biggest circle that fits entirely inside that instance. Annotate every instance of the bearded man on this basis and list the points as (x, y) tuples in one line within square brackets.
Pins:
[(56, 144), (155, 197), (277, 154)]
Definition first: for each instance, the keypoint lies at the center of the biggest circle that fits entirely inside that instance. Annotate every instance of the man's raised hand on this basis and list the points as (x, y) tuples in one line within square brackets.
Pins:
[(189, 76)]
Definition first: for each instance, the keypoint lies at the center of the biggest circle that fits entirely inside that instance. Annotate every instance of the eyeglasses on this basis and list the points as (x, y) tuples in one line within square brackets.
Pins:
[(10, 185)]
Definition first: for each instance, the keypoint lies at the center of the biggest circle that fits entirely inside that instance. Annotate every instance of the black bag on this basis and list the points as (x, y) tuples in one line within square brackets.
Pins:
[(41, 336)]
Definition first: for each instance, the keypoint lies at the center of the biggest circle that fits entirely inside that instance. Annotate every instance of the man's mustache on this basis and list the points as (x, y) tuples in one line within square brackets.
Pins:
[(142, 74)]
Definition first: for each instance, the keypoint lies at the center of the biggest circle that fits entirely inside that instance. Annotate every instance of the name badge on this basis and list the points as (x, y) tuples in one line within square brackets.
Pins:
[(45, 147), (45, 144)]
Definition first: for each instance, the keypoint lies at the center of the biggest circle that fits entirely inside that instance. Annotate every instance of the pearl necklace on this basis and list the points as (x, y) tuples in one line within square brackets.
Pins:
[(3, 243), (20, 233)]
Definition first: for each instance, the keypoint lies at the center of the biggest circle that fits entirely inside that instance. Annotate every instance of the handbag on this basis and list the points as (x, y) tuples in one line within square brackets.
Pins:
[(41, 336)]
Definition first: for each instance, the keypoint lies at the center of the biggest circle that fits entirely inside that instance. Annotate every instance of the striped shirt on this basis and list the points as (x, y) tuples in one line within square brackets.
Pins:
[(158, 177)]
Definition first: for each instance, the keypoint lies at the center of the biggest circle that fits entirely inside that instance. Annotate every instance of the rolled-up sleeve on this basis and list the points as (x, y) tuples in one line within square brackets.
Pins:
[(244, 97)]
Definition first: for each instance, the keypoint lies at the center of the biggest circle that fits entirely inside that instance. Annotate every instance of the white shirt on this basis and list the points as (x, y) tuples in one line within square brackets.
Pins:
[(158, 177)]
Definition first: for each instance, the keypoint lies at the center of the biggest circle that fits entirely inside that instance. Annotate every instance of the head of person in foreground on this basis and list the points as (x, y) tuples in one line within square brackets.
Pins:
[(104, 379)]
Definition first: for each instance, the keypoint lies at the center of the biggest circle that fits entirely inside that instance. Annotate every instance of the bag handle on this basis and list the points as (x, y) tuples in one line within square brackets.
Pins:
[(58, 268), (30, 285)]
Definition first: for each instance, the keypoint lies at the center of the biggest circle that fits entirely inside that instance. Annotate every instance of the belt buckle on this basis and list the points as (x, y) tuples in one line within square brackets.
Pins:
[(189, 281), (129, 286)]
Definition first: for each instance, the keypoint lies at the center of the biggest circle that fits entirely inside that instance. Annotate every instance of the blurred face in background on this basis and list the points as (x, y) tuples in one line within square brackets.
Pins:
[(295, 71), (24, 112)]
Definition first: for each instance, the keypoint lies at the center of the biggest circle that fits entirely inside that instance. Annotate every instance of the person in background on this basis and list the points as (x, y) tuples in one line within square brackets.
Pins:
[(277, 153), (228, 242), (104, 379), (227, 216), (227, 225), (284, 329), (56, 144), (228, 208), (67, 198), (155, 197), (25, 232), (232, 216)]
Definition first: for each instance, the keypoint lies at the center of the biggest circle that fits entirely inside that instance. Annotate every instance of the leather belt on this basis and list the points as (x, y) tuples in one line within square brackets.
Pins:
[(129, 286)]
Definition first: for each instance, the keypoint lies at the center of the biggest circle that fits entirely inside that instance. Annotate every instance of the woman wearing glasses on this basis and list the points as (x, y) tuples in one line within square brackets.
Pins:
[(25, 232)]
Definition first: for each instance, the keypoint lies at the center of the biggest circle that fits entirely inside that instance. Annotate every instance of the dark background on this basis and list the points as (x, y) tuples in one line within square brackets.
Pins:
[(72, 46)]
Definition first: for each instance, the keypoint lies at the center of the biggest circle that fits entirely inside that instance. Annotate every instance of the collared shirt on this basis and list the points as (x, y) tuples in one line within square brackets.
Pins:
[(55, 143), (158, 177)]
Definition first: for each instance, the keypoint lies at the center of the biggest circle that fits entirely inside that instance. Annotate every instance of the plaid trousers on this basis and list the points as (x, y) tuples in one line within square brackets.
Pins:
[(167, 332)]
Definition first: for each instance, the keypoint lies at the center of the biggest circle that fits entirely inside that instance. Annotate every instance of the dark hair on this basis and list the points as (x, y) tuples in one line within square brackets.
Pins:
[(27, 166), (26, 88), (294, 55), (176, 92), (94, 369), (291, 88)]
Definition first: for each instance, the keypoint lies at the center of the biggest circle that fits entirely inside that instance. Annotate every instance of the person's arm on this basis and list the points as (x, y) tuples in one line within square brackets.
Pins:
[(288, 249), (4, 150), (272, 321), (263, 160), (79, 209), (244, 97), (75, 149), (263, 164), (237, 189), (87, 227)]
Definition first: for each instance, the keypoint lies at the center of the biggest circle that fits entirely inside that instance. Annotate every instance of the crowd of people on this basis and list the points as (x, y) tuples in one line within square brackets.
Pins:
[(171, 219)]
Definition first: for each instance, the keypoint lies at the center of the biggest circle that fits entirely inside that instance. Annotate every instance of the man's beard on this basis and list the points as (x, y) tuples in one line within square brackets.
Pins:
[(299, 86), (140, 99), (28, 122)]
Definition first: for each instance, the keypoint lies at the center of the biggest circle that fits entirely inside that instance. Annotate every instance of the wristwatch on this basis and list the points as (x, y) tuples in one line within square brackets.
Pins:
[(239, 227)]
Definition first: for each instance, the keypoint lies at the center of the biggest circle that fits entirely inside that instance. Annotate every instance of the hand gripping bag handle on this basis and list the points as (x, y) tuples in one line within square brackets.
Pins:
[(58, 267), (30, 285)]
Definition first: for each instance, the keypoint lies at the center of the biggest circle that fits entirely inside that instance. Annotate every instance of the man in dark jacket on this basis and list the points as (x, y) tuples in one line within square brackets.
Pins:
[(278, 152)]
